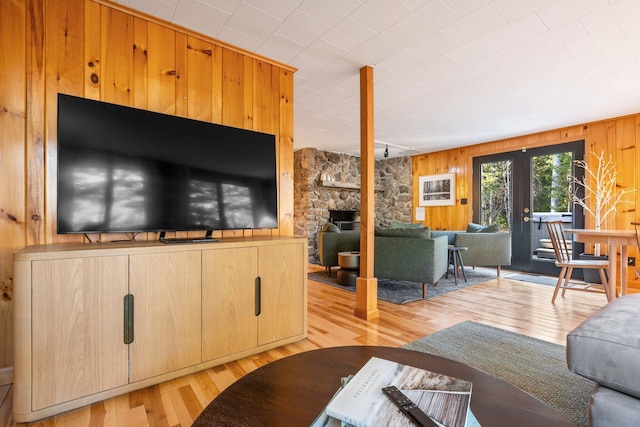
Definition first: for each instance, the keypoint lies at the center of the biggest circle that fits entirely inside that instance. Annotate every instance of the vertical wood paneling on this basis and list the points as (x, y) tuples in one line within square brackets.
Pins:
[(625, 169), (181, 73), (218, 78), (99, 51), (64, 73), (162, 69), (117, 55), (248, 87), (92, 53), (285, 153), (263, 103), (12, 155), (200, 79), (232, 88), (35, 76), (140, 64)]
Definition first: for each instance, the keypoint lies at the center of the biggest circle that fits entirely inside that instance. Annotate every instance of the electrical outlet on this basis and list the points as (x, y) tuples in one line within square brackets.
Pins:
[(632, 261)]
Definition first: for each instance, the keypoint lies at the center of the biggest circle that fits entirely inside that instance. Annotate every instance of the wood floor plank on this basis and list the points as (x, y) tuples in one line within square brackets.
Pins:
[(517, 306)]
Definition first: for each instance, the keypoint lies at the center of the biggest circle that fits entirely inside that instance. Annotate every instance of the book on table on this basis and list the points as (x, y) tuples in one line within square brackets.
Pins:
[(361, 403)]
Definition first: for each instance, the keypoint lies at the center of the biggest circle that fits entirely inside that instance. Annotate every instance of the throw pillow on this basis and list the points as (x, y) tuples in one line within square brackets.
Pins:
[(398, 224), (330, 227), (477, 228), (415, 233)]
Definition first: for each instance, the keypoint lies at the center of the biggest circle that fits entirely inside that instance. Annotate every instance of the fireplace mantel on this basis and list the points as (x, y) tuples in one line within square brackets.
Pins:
[(346, 185)]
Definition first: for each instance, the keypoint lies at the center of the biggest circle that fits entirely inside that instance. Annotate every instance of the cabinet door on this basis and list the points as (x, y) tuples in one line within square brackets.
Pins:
[(281, 269), (77, 328), (228, 301), (167, 316)]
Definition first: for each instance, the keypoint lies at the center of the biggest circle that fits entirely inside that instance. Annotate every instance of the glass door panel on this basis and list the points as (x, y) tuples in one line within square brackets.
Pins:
[(521, 191), (496, 191), (551, 200)]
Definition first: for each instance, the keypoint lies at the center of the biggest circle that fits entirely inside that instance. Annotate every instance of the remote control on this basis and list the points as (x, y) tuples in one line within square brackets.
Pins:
[(408, 407)]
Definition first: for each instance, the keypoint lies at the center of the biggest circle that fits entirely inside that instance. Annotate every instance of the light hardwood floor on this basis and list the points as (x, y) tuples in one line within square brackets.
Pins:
[(516, 306)]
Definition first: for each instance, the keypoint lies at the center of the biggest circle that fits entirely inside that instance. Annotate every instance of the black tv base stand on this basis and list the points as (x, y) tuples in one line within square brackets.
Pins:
[(206, 239)]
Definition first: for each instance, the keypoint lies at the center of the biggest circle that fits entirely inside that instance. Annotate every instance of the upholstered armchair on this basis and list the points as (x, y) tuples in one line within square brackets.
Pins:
[(485, 249), (331, 241)]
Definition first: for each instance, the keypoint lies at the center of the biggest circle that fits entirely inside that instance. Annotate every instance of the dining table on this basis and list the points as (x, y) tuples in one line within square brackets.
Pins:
[(613, 239)]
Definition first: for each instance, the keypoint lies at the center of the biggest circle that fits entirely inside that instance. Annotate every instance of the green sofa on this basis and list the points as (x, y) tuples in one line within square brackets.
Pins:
[(408, 254), (485, 248)]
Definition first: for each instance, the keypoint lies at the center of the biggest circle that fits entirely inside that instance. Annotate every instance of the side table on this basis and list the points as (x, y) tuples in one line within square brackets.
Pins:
[(456, 259), (349, 263)]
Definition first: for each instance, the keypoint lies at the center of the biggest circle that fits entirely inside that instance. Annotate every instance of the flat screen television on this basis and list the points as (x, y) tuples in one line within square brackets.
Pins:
[(123, 169)]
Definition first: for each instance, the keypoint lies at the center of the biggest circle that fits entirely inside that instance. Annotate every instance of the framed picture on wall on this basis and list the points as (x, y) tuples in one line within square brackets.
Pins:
[(438, 190)]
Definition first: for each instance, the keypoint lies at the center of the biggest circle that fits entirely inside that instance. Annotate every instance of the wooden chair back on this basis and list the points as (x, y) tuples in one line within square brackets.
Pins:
[(559, 242)]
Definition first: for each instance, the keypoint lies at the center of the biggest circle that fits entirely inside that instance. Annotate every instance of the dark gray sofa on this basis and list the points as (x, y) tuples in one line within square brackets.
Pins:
[(605, 349)]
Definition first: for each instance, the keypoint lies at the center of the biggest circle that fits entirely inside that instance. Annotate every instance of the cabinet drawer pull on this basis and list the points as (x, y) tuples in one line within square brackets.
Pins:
[(258, 292), (128, 319)]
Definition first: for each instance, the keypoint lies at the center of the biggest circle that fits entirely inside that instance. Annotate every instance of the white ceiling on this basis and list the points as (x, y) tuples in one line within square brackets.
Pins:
[(448, 73)]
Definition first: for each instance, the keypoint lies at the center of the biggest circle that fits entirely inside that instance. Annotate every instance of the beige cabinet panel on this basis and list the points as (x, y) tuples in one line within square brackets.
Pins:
[(167, 314), (283, 277), (228, 301), (77, 328)]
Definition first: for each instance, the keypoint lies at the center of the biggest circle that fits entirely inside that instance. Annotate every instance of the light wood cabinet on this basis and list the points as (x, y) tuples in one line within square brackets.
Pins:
[(77, 328), (228, 301), (193, 306), (282, 302), (167, 321), (257, 297)]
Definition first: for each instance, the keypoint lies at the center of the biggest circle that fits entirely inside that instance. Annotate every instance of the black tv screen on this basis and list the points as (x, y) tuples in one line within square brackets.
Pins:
[(122, 169)]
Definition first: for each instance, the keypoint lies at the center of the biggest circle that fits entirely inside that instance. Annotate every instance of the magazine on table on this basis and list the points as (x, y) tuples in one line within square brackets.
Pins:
[(361, 403)]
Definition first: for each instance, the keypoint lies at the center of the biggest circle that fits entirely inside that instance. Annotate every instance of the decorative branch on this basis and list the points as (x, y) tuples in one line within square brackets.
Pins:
[(602, 193)]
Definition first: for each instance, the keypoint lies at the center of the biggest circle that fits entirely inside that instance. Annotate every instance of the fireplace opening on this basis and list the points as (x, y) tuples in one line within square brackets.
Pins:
[(345, 219)]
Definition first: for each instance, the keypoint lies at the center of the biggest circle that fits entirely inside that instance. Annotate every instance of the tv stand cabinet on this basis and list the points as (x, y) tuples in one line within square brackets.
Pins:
[(93, 321)]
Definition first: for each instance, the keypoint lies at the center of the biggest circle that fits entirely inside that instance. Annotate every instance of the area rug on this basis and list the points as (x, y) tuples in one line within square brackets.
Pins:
[(533, 278), (535, 366), (402, 292)]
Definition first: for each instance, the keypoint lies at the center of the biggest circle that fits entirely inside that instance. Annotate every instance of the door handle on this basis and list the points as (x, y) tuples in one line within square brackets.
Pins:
[(258, 296), (128, 319), (526, 219)]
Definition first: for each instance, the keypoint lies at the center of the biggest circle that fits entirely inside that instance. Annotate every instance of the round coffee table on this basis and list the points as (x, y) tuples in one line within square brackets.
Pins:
[(349, 262), (292, 391)]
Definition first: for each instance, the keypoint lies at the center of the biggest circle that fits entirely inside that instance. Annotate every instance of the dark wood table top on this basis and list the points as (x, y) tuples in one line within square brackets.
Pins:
[(292, 391)]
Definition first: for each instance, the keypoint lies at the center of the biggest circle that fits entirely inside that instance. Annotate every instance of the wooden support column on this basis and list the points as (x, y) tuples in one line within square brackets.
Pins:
[(366, 283)]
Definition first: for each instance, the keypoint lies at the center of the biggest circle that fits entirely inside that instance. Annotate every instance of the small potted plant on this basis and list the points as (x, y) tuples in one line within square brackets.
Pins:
[(600, 197)]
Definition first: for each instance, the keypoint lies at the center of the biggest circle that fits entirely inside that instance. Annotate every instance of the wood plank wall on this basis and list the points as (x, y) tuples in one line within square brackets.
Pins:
[(103, 51), (619, 137)]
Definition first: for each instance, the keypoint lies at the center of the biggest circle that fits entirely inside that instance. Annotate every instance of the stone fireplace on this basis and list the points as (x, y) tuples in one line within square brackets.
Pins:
[(325, 181)]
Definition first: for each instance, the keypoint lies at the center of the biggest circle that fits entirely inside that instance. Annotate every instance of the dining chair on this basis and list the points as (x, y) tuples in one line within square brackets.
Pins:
[(567, 264)]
